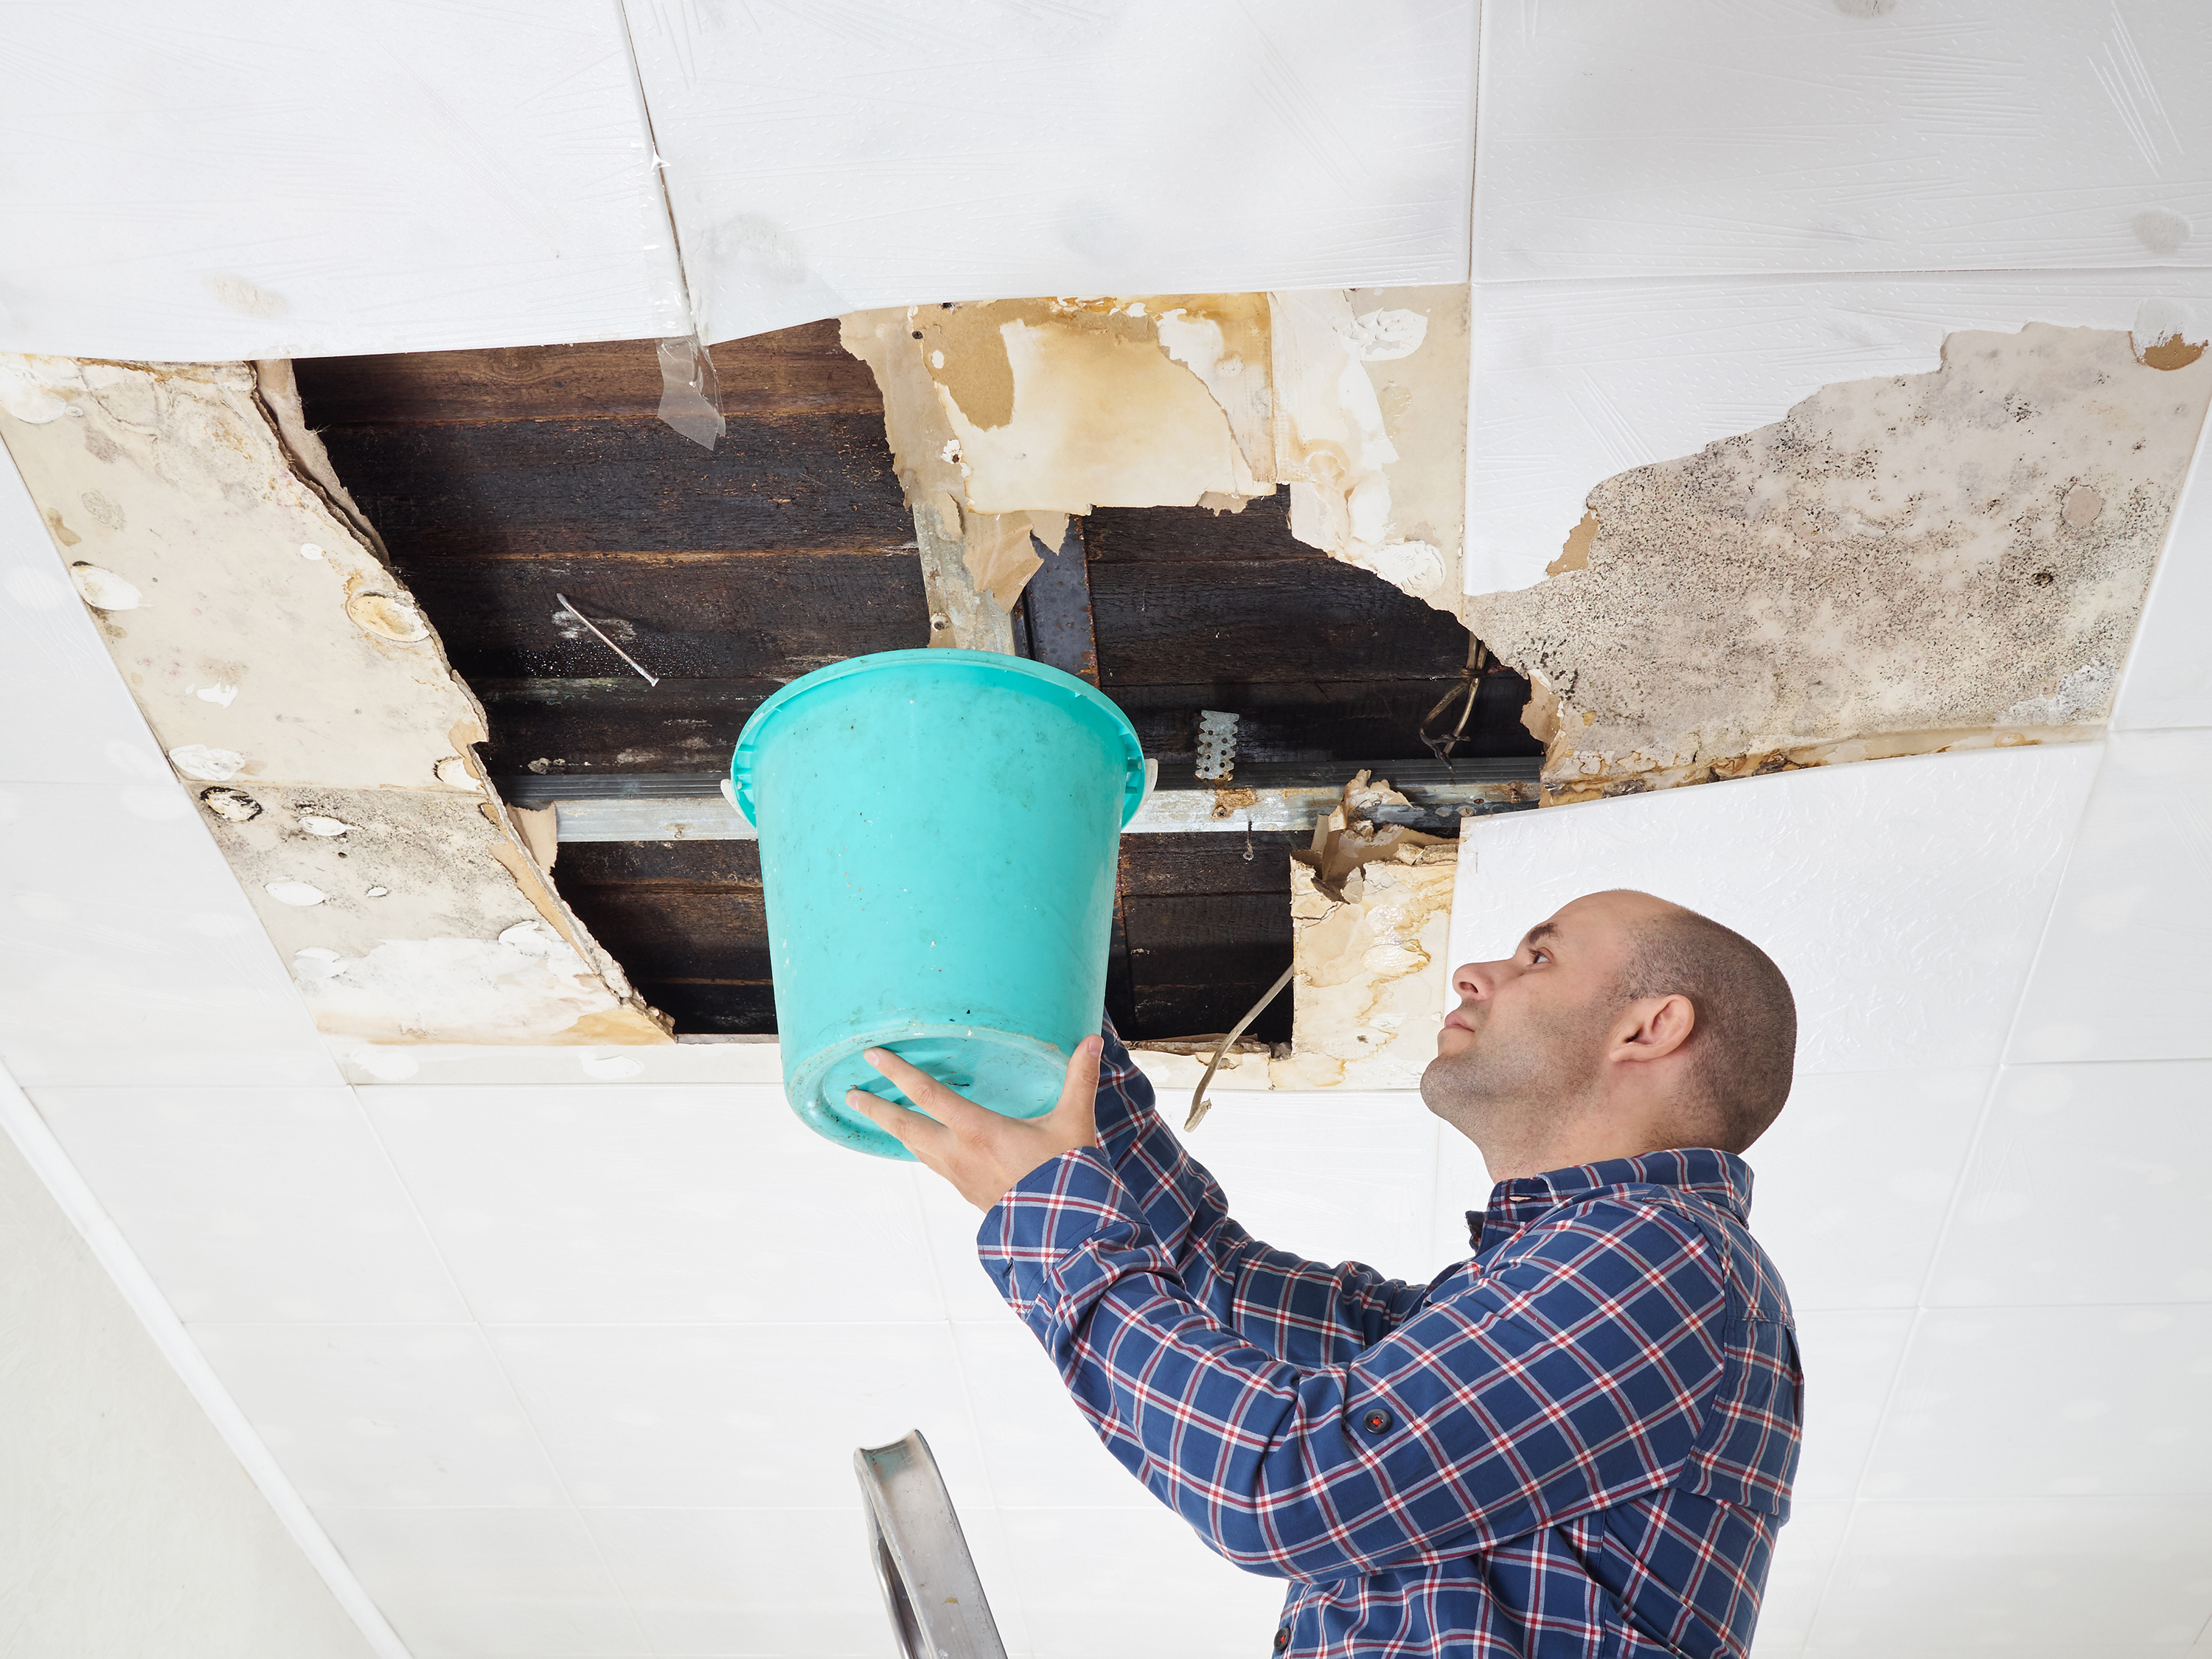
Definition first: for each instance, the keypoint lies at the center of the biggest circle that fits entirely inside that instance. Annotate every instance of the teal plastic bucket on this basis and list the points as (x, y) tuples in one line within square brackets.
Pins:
[(938, 831)]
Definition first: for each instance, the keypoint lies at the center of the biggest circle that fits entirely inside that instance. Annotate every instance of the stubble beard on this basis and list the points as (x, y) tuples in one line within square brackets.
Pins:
[(1508, 1088)]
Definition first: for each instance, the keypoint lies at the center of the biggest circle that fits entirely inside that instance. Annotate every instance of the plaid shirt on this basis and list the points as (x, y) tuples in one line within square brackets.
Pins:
[(1580, 1441)]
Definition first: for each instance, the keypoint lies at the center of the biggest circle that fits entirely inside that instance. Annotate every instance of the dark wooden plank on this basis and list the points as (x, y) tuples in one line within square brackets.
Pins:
[(581, 727), (564, 486), (1207, 861), (1170, 937), (1137, 534), (714, 1008), (1168, 621), (1325, 720), (675, 933), (791, 371), (690, 864), (1180, 1011), (682, 618)]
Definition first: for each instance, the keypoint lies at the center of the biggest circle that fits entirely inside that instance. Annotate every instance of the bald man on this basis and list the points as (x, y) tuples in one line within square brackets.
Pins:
[(1580, 1441)]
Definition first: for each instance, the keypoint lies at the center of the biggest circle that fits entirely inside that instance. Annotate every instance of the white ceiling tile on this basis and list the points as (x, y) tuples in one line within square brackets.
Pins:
[(2086, 1186), (487, 1584), (820, 165), (1854, 1178), (1104, 1584), (636, 1203), (951, 1223), (1903, 898), (1851, 1357), (202, 184), (1620, 139), (70, 718), (762, 1416), (1575, 381), (1377, 1205), (2122, 973), (2167, 680), (131, 950), (2033, 1403), (2051, 1579), (1803, 1554), (1039, 1447), (255, 1204), (797, 1583), (384, 1415)]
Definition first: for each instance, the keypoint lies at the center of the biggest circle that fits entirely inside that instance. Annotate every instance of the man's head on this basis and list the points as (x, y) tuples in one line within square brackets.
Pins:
[(1622, 1025)]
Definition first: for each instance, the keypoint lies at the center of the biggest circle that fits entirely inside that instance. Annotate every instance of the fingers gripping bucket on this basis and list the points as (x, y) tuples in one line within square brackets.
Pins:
[(938, 831)]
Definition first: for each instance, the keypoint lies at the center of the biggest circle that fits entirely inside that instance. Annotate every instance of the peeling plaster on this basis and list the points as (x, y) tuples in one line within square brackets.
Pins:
[(1371, 911), (1371, 974), (1001, 412), (277, 657), (1902, 565)]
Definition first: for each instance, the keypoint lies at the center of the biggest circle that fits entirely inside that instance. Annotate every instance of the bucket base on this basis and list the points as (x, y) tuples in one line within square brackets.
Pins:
[(1016, 1075)]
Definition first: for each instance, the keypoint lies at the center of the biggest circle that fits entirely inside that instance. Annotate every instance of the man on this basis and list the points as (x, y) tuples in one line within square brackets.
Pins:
[(1580, 1441)]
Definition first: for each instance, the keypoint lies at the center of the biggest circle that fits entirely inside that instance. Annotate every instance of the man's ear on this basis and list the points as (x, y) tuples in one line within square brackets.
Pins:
[(1652, 1028)]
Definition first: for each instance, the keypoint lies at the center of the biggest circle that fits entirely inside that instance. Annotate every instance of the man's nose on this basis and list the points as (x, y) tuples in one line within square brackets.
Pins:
[(1477, 981)]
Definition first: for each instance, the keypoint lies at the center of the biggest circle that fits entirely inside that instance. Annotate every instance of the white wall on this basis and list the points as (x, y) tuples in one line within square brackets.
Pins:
[(126, 1526)]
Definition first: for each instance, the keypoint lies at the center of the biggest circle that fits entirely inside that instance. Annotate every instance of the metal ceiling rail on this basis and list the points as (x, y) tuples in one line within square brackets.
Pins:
[(660, 806)]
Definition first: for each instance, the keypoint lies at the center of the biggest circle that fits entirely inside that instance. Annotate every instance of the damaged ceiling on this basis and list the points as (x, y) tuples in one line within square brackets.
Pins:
[(501, 481), (307, 705), (1948, 560), (387, 622)]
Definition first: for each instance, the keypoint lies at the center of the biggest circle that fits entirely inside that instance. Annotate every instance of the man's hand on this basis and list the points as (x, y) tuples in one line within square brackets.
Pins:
[(980, 1152)]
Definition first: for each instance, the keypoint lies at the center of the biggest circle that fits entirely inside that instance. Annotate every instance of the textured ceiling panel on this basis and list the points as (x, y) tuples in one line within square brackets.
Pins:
[(196, 183), (1707, 136), (829, 159)]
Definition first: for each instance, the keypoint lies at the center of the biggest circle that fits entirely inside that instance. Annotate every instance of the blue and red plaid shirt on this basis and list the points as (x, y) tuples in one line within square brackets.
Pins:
[(1580, 1441)]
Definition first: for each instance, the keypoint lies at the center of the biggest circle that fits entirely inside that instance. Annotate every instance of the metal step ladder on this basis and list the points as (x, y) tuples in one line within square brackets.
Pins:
[(935, 1600)]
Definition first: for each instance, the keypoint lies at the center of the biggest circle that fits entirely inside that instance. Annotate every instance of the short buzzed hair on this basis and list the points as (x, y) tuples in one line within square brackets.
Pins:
[(1746, 1034)]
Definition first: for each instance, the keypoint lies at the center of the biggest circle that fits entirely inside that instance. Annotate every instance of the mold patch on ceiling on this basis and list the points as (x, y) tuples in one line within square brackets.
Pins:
[(1949, 560), (305, 704), (1006, 416)]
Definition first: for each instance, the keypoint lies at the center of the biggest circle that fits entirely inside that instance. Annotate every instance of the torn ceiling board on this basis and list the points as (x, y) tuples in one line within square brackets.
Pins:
[(1904, 898), (1370, 428), (1372, 970), (1356, 398), (345, 876), (1205, 148), (246, 181), (1575, 381), (1841, 135), (300, 696), (234, 598), (1897, 565)]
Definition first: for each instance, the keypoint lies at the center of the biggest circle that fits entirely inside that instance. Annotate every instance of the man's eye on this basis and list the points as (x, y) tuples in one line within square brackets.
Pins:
[(1535, 957)]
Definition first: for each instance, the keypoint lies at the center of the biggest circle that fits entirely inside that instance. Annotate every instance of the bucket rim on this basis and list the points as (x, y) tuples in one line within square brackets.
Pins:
[(748, 739)]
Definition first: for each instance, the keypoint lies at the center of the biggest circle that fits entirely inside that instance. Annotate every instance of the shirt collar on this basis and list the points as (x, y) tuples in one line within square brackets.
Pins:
[(1721, 1179)]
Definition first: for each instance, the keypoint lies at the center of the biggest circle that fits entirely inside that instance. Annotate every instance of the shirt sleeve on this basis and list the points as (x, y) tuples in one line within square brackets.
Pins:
[(1299, 1311), (1572, 1373)]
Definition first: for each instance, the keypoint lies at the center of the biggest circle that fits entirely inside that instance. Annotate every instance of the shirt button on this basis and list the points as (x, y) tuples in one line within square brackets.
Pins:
[(1282, 1638), (1377, 1421)]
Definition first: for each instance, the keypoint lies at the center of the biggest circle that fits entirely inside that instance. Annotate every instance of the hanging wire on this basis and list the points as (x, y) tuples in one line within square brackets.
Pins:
[(1200, 1105), (1470, 684)]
